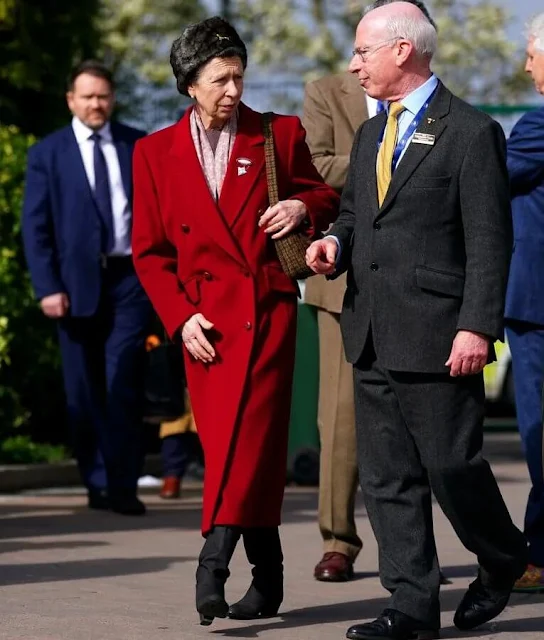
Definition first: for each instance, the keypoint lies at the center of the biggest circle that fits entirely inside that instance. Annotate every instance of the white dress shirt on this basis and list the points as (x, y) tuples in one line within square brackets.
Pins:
[(120, 206), (371, 105)]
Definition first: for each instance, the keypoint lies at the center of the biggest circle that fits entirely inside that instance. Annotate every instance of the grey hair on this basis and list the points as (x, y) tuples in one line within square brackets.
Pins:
[(535, 29), (421, 32)]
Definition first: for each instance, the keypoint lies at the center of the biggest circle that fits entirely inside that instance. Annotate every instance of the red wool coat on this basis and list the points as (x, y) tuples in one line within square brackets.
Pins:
[(195, 255)]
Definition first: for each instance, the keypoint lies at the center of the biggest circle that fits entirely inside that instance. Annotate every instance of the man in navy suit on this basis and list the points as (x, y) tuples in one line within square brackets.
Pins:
[(525, 300), (77, 219)]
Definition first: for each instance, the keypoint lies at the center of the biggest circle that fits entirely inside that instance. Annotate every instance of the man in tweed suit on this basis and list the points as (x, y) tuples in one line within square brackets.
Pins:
[(424, 234), (335, 106)]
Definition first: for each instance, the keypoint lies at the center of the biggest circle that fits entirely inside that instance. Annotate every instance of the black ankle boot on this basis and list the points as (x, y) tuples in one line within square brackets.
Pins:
[(212, 573), (265, 594)]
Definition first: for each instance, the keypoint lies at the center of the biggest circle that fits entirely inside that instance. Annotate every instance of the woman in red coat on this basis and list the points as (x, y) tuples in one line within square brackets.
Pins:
[(203, 246)]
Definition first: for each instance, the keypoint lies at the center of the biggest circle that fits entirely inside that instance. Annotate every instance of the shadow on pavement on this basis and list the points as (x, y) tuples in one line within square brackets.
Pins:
[(503, 447), (368, 609), (460, 571), (58, 515), (26, 516), (12, 547), (13, 574)]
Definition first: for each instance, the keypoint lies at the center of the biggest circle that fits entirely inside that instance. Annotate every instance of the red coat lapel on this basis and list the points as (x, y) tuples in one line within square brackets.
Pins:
[(249, 146), (185, 163)]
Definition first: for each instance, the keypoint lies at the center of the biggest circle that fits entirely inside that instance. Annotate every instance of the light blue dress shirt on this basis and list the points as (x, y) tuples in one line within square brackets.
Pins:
[(413, 102)]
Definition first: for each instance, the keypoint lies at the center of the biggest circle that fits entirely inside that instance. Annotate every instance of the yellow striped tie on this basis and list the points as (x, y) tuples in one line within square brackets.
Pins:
[(387, 148)]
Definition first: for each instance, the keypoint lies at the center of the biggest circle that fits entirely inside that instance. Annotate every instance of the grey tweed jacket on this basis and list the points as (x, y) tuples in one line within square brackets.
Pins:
[(434, 257)]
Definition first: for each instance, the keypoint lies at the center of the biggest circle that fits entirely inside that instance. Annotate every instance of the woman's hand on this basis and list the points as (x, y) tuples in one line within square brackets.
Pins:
[(283, 217), (194, 339)]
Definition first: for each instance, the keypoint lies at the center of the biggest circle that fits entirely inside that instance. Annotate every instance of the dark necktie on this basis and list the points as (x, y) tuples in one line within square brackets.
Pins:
[(102, 195)]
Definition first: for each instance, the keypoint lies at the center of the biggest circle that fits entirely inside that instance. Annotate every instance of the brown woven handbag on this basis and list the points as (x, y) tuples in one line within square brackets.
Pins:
[(291, 249)]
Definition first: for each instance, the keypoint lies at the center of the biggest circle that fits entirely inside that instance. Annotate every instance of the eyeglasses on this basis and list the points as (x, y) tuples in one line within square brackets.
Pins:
[(368, 51)]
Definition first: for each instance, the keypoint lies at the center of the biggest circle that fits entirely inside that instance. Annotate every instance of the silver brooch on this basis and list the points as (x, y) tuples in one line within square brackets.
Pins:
[(243, 165)]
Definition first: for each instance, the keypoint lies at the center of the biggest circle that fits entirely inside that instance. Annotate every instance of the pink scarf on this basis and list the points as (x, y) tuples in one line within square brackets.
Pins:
[(214, 165)]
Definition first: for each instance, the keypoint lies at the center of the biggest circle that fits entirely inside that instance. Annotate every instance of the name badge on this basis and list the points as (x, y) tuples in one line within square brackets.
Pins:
[(423, 138)]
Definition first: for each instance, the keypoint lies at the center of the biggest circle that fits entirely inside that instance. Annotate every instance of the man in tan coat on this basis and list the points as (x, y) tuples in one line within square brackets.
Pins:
[(334, 108)]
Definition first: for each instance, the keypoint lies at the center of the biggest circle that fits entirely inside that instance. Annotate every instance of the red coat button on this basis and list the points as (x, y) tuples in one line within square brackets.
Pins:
[(185, 228), (248, 325)]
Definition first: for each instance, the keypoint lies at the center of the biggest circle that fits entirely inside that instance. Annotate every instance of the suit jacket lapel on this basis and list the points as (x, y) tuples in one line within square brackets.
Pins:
[(74, 167), (433, 123), (354, 102), (369, 151), (249, 145), (209, 218)]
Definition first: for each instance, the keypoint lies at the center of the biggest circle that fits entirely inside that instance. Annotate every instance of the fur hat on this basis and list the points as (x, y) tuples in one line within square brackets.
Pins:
[(201, 42)]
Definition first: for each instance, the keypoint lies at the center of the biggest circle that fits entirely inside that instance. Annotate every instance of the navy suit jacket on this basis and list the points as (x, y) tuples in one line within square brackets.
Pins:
[(61, 225), (525, 293)]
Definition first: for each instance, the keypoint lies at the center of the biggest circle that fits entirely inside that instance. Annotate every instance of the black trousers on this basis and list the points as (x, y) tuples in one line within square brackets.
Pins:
[(417, 432)]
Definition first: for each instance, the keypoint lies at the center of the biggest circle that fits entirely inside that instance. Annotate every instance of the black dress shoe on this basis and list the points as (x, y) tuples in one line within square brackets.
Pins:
[(127, 504), (483, 601), (98, 499), (392, 624)]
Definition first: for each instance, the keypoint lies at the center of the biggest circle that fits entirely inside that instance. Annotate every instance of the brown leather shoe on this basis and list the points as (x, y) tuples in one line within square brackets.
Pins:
[(334, 567), (170, 488)]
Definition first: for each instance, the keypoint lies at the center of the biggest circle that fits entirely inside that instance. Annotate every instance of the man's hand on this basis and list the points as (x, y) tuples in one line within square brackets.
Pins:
[(321, 255), (469, 354), (283, 217), (194, 339), (55, 306)]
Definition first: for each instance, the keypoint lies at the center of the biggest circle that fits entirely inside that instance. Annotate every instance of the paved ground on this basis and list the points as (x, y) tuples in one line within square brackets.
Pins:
[(66, 573)]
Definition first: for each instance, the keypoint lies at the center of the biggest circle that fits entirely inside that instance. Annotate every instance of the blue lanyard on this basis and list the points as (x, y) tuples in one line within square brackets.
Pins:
[(401, 144)]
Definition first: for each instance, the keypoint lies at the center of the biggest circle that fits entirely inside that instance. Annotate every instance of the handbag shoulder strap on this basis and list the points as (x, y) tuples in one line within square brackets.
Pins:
[(270, 159)]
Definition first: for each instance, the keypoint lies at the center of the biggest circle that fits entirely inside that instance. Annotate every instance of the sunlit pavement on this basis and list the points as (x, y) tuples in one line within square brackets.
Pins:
[(67, 573)]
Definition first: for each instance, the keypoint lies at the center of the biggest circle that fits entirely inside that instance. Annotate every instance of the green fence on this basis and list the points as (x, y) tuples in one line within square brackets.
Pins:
[(506, 115)]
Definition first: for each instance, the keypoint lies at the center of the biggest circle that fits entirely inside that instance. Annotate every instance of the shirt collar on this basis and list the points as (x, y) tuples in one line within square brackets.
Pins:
[(414, 101), (82, 132)]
